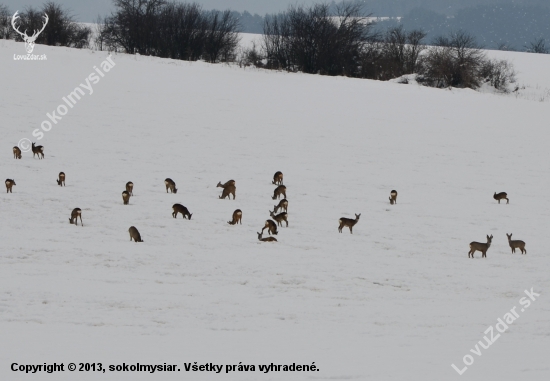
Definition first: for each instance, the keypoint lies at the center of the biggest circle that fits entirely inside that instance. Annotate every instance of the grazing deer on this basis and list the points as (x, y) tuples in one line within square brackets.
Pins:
[(9, 184), (278, 178), (280, 190), (348, 222), (483, 247), (516, 244), (279, 218), (237, 217), (37, 150), (227, 183), (134, 233), (61, 179), (271, 227), (393, 197), (16, 153), (268, 239), (227, 191), (178, 208), (130, 188), (501, 196), (74, 217), (283, 204), (126, 197), (170, 185)]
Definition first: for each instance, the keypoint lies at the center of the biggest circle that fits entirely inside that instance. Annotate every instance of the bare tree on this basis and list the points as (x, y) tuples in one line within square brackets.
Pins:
[(538, 46), (6, 30)]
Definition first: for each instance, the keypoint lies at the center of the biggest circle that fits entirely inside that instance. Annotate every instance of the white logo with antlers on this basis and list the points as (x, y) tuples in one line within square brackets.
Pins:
[(29, 40)]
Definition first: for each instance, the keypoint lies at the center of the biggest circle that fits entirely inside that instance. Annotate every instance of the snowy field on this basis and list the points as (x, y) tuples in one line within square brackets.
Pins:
[(397, 300)]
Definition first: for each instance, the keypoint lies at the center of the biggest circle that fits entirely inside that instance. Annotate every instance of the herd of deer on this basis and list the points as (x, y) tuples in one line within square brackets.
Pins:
[(229, 189)]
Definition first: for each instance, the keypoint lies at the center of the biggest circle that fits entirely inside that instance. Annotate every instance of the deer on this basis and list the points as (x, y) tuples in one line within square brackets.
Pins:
[(125, 197), (37, 150), (130, 188), (483, 247), (74, 217), (516, 244), (279, 218), (278, 178), (61, 179), (237, 217), (16, 153), (268, 239), (170, 185), (134, 233), (501, 196), (348, 222), (178, 208), (29, 40), (280, 190), (9, 184), (271, 227), (229, 188), (393, 197), (283, 204)]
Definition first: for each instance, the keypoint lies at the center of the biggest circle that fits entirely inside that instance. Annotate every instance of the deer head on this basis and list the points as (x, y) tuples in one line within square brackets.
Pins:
[(29, 40)]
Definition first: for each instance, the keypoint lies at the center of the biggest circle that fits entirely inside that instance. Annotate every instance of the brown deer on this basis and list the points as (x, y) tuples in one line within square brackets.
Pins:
[(9, 184), (126, 197), (130, 188), (237, 217), (278, 178), (283, 204), (268, 239), (37, 150), (393, 197), (227, 183), (74, 217), (134, 233), (280, 190), (271, 227), (170, 185), (501, 196), (178, 208), (279, 218), (348, 222), (61, 179), (483, 247), (16, 153), (229, 188), (516, 244)]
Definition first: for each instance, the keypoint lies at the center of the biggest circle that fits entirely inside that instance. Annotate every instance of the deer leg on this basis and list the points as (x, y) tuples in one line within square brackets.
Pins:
[(507, 201)]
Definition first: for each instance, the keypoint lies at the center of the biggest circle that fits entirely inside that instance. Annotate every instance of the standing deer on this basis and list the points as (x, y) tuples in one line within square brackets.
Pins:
[(271, 227), (280, 190), (229, 188), (130, 188), (279, 218), (393, 197), (37, 150), (9, 184), (268, 239), (61, 179), (16, 153), (170, 185), (29, 40), (278, 178), (125, 197), (74, 217), (237, 217), (483, 247), (283, 204), (516, 244), (134, 233), (348, 222), (501, 196), (178, 208)]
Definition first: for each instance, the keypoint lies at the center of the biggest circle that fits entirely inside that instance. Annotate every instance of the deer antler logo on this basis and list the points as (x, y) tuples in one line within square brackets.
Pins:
[(29, 40)]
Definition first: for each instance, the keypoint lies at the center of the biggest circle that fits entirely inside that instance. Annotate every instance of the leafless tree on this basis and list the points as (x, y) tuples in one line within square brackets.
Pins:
[(538, 46), (6, 30)]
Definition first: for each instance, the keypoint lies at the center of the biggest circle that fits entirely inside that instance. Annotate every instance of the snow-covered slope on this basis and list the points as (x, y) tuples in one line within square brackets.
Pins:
[(399, 299)]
